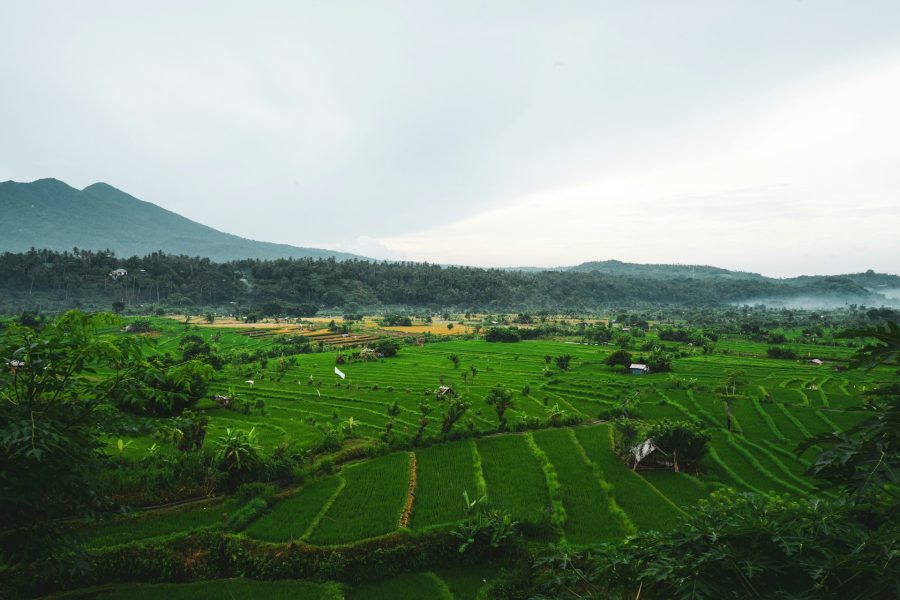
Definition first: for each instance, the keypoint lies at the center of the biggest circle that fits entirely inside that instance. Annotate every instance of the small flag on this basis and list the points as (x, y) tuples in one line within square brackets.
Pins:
[(318, 392), (339, 373)]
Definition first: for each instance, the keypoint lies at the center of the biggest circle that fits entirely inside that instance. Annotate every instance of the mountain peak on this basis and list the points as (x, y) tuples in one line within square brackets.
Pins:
[(51, 214), (101, 185), (46, 183)]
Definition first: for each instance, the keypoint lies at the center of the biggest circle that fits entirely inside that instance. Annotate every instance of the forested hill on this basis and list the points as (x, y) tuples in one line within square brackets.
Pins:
[(54, 215), (56, 281), (617, 267)]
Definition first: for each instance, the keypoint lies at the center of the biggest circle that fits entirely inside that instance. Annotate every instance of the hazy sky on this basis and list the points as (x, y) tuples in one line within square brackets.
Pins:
[(754, 135)]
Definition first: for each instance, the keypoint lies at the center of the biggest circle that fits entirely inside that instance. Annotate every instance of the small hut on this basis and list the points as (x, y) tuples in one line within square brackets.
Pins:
[(816, 361), (638, 369), (647, 455), (223, 401), (445, 391)]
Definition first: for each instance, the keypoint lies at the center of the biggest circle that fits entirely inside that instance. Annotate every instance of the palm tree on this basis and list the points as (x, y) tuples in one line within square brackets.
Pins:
[(501, 399), (733, 378), (727, 401), (238, 452), (629, 401), (455, 410), (349, 424), (555, 413), (425, 409)]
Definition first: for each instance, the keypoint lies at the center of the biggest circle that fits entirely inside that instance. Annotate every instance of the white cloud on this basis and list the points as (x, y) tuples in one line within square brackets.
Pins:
[(807, 187)]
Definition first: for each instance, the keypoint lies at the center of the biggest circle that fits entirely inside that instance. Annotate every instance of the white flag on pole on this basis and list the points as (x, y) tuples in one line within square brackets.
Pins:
[(339, 373)]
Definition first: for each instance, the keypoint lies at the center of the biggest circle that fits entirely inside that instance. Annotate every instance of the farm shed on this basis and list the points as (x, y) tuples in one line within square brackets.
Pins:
[(116, 273), (445, 391), (223, 401), (648, 455), (638, 368)]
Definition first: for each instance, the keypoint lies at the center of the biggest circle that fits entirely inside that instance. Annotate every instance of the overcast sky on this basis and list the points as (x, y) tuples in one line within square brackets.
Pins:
[(755, 135)]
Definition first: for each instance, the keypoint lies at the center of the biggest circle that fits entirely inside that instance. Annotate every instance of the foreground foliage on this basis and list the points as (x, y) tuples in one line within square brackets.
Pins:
[(738, 547), (52, 415)]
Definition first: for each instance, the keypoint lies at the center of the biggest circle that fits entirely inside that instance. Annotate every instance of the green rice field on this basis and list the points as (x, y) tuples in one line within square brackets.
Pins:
[(567, 478)]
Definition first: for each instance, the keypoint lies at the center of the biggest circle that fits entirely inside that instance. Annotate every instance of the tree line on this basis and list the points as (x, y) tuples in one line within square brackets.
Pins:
[(83, 279)]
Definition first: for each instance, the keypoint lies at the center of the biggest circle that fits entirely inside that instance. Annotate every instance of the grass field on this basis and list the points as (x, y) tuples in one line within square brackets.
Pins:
[(465, 582), (232, 589), (591, 514), (445, 472), (144, 525), (292, 517), (778, 404), (369, 504), (514, 478), (645, 505), (404, 587)]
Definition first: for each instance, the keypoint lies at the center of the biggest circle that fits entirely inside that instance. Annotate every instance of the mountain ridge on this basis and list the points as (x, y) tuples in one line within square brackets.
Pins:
[(653, 270), (49, 213)]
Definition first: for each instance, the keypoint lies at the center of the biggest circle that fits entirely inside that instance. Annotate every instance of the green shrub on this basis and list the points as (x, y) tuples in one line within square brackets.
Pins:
[(238, 455)]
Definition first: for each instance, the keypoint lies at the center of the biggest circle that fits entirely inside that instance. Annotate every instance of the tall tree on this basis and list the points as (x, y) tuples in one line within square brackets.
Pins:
[(502, 400), (52, 416)]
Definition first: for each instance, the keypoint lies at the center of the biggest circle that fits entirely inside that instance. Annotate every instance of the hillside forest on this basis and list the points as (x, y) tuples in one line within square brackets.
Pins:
[(84, 279)]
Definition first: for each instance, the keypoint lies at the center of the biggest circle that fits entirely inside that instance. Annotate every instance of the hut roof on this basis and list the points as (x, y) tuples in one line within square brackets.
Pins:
[(644, 449)]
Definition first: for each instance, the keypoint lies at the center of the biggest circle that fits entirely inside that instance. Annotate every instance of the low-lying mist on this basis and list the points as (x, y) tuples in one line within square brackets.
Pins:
[(826, 302)]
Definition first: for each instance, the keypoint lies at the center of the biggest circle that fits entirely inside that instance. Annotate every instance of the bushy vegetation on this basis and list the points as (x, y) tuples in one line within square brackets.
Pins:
[(684, 443)]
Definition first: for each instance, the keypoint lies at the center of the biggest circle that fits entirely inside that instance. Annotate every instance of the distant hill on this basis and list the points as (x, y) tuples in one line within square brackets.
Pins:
[(870, 280), (617, 267), (48, 213)]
